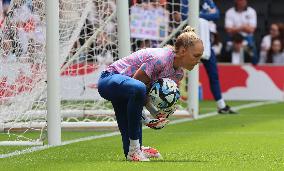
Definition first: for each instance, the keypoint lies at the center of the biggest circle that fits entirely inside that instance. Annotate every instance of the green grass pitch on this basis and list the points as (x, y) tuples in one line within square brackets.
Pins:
[(251, 140)]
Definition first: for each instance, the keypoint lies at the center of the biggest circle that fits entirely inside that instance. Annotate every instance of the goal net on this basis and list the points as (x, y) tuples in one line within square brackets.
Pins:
[(83, 23), (88, 43)]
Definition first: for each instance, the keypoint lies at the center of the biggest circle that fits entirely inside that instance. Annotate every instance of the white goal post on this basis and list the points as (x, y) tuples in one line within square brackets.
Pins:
[(193, 83), (53, 73), (44, 92)]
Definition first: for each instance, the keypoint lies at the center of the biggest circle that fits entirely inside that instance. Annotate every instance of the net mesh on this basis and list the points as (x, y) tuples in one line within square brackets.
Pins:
[(23, 64)]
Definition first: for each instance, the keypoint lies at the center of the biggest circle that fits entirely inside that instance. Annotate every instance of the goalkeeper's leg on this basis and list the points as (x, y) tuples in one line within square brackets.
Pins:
[(128, 97), (120, 109)]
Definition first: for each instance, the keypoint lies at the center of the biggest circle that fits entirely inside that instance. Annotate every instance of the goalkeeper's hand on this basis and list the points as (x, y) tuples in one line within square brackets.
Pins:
[(160, 116), (158, 123), (161, 119)]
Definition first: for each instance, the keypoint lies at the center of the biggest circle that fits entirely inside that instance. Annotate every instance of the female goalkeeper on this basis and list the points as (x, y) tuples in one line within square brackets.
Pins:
[(125, 84)]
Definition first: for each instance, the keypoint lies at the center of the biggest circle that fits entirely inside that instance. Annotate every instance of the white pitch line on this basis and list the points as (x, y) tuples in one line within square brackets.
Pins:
[(250, 105), (39, 148)]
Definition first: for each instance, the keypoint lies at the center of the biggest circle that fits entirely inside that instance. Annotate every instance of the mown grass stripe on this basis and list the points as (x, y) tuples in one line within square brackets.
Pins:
[(39, 148)]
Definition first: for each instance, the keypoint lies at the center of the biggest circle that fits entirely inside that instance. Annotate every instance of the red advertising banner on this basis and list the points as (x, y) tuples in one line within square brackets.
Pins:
[(79, 82), (247, 82)]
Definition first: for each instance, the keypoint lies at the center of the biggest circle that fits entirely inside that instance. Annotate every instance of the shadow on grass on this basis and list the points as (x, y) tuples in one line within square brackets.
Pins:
[(179, 161), (157, 161), (162, 161)]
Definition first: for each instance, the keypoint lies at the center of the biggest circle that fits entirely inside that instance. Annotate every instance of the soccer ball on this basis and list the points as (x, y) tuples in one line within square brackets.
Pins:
[(164, 93)]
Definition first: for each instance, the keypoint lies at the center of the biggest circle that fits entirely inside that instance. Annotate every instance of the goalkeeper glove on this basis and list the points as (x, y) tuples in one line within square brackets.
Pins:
[(158, 123)]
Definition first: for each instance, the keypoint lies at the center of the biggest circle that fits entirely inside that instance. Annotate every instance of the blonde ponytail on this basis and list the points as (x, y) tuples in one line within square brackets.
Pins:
[(188, 37)]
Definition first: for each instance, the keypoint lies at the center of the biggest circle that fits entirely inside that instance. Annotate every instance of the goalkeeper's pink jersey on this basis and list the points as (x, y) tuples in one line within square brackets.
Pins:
[(156, 62)]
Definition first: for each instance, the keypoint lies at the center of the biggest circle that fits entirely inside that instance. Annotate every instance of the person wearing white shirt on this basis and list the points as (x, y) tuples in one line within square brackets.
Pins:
[(242, 19)]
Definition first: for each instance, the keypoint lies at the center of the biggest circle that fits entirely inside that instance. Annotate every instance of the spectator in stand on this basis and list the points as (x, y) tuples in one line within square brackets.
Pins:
[(242, 19), (142, 44), (276, 31), (134, 2), (105, 51), (174, 8), (6, 4), (276, 54), (239, 53), (28, 25)]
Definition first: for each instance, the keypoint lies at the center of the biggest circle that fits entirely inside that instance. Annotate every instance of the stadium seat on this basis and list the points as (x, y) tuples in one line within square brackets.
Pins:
[(261, 21), (276, 8), (261, 7)]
